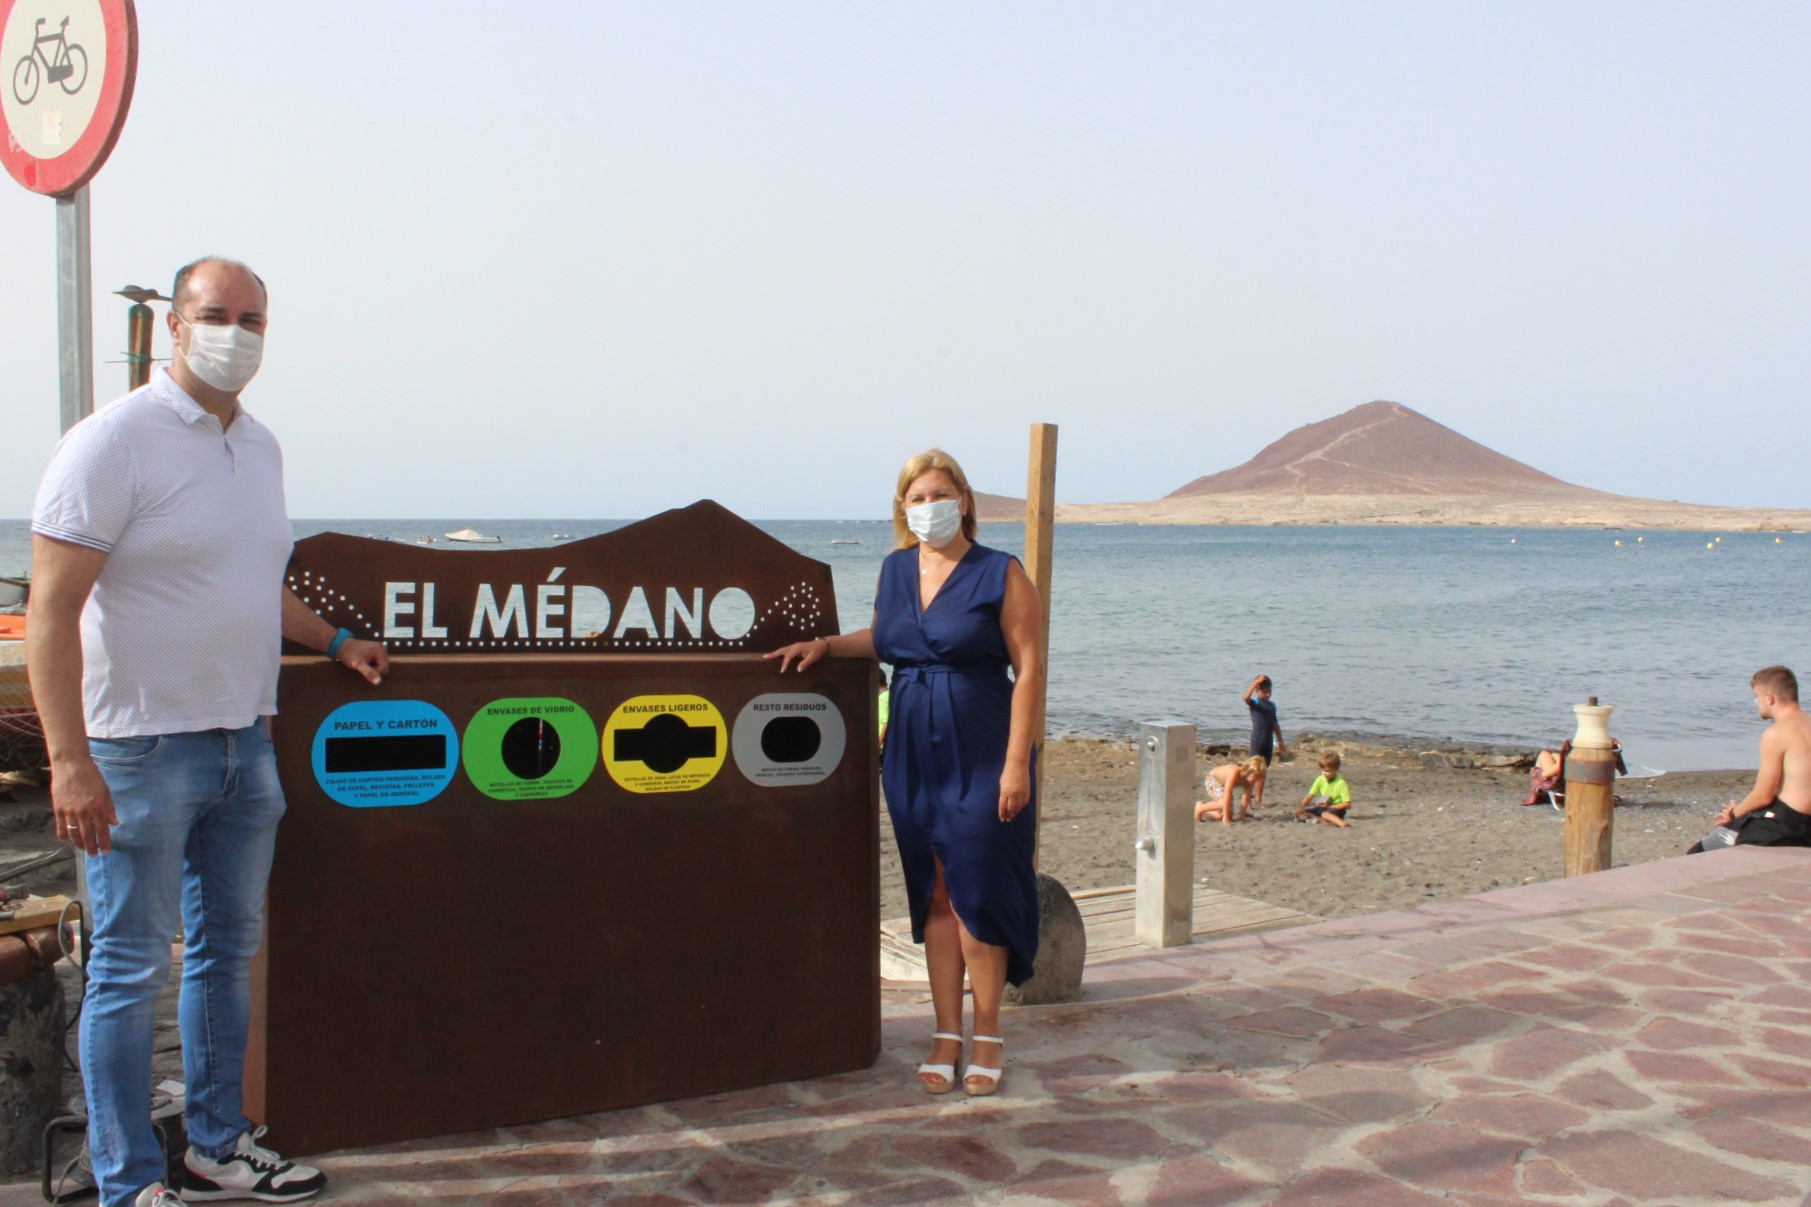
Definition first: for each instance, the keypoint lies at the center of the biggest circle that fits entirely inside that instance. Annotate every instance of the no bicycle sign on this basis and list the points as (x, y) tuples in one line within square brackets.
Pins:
[(66, 74)]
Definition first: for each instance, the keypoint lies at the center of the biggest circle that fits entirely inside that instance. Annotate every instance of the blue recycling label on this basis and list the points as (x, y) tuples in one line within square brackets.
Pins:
[(374, 754)]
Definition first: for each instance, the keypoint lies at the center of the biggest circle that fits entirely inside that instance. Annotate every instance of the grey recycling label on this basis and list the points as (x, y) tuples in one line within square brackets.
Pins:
[(787, 739)]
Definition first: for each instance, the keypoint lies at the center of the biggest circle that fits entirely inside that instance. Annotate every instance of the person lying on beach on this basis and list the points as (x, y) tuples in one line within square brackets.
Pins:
[(1328, 797), (1547, 779), (1226, 779), (1548, 774), (1777, 812)]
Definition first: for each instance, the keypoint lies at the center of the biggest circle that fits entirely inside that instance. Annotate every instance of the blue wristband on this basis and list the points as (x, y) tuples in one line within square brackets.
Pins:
[(340, 638)]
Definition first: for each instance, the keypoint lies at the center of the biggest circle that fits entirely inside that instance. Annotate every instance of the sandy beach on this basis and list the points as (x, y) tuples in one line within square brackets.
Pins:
[(1418, 832)]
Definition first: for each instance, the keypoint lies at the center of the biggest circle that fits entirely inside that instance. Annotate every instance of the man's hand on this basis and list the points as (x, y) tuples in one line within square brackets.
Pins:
[(83, 806), (368, 658), (302, 625), (1727, 814)]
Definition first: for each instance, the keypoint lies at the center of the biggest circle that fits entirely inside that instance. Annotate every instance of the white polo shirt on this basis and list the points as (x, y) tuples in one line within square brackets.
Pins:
[(185, 624)]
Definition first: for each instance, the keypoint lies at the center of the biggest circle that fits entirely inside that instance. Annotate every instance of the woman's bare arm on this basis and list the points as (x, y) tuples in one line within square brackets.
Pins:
[(1019, 625)]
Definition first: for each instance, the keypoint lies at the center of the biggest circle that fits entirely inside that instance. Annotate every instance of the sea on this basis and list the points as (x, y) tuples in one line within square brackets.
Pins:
[(1430, 638)]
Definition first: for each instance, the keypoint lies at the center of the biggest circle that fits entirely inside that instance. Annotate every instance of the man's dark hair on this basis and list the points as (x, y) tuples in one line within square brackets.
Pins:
[(1263, 682), (180, 288), (1777, 681)]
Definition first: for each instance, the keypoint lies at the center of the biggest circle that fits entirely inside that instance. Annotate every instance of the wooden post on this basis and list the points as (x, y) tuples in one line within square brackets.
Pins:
[(1164, 892), (1590, 790), (1040, 520), (139, 319)]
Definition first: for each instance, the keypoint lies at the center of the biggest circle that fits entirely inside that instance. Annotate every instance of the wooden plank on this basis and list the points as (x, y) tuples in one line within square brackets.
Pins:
[(1108, 915), (32, 913), (1040, 517)]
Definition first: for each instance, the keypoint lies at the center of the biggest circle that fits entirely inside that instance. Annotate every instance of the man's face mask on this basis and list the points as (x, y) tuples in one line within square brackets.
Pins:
[(227, 358)]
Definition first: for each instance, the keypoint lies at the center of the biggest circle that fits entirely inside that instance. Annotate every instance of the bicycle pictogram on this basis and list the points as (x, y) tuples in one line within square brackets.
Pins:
[(67, 67)]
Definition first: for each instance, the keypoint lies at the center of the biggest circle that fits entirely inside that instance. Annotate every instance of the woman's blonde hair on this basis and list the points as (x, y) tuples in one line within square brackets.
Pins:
[(915, 468), (1255, 767)]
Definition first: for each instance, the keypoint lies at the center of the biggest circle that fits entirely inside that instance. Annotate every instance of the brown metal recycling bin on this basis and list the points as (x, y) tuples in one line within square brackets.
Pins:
[(523, 883)]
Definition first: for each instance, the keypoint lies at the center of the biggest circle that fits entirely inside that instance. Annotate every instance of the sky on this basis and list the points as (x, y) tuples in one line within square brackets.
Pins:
[(596, 259)]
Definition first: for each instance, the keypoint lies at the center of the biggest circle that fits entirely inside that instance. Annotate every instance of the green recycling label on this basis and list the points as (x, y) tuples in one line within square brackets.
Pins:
[(530, 748)]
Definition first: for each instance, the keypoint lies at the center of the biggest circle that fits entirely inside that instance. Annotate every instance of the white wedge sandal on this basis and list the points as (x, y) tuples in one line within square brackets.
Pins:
[(947, 1072), (992, 1075)]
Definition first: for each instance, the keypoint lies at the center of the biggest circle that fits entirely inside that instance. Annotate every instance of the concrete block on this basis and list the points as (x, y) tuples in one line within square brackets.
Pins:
[(1062, 947)]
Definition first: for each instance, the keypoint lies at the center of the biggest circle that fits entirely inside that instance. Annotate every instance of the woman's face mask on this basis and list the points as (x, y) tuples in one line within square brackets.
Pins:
[(936, 524)]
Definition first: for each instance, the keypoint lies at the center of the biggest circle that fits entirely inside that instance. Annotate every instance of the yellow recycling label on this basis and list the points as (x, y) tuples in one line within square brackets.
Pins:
[(665, 743)]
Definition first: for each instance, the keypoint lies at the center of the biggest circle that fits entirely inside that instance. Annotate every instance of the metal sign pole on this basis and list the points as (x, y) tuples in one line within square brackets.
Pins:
[(75, 381), (75, 309)]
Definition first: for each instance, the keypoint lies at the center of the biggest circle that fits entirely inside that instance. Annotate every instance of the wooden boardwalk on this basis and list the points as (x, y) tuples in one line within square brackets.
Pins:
[(1107, 916)]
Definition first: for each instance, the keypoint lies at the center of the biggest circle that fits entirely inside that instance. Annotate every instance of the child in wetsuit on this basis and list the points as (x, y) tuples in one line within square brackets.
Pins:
[(1266, 730), (1329, 796)]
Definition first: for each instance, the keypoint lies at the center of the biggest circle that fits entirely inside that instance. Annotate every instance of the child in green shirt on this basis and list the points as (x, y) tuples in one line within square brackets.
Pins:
[(1329, 796), (886, 699)]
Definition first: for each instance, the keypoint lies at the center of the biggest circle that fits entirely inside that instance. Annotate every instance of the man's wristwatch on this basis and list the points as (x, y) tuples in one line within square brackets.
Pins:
[(340, 638)]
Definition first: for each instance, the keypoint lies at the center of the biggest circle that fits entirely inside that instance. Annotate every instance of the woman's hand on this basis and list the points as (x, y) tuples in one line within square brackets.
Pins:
[(1015, 789), (804, 653)]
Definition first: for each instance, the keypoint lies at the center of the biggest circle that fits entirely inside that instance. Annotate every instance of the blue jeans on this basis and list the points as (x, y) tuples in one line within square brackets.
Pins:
[(198, 817)]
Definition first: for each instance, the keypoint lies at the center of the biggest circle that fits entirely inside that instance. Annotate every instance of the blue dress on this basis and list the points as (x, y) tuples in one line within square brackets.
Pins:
[(946, 745)]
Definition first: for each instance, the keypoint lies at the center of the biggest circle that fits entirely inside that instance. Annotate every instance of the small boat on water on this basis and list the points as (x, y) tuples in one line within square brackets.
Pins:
[(13, 592), (844, 540), (472, 536)]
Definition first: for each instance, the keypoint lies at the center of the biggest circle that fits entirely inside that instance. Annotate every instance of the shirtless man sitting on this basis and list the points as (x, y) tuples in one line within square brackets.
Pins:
[(1777, 813)]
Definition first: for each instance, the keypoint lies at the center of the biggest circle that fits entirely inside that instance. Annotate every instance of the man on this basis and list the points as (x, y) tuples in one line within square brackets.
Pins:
[(1266, 730), (1777, 813), (159, 546)]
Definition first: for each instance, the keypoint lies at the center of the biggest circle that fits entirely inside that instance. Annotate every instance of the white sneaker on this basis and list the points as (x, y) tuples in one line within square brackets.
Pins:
[(155, 1195), (248, 1172)]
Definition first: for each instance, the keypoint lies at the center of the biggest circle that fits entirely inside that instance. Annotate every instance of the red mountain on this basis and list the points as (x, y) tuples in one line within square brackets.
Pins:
[(1380, 448)]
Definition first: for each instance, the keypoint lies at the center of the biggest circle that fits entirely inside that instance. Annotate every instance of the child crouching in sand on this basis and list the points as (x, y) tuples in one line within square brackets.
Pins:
[(1227, 778), (1329, 796)]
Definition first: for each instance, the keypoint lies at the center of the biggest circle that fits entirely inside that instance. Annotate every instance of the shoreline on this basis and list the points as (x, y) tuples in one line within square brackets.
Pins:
[(1228, 745), (1563, 510)]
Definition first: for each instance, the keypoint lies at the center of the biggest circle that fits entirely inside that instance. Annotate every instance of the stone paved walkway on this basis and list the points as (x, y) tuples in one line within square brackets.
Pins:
[(1638, 1036)]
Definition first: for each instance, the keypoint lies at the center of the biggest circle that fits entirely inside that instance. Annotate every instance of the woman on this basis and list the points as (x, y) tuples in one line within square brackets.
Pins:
[(951, 616), (1224, 780)]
